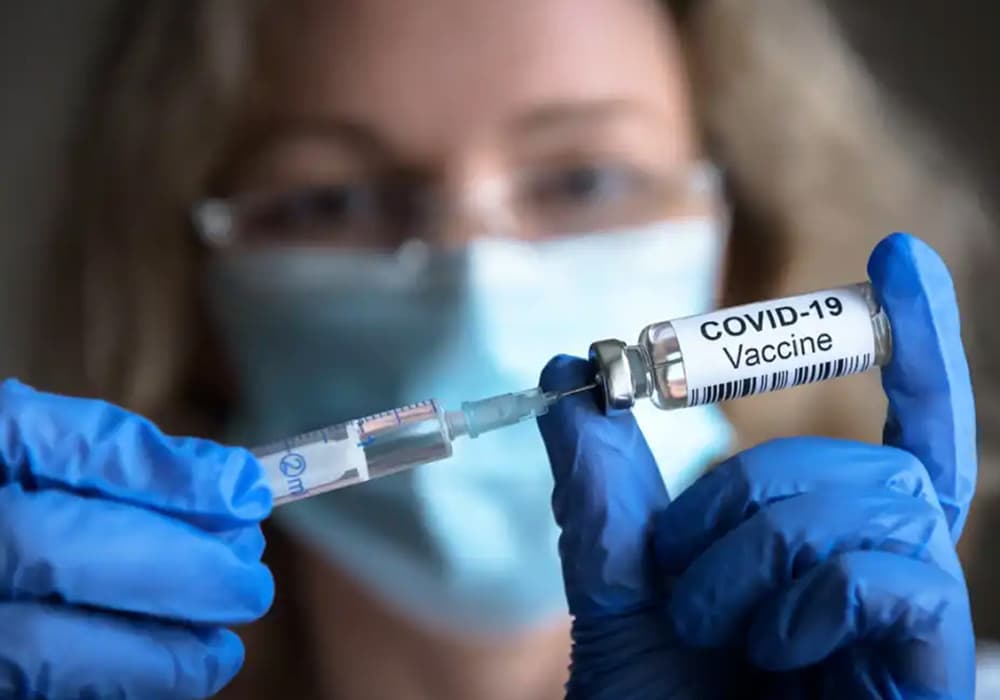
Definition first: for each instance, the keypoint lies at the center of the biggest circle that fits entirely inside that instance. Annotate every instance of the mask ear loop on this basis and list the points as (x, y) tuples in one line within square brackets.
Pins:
[(712, 180), (757, 249)]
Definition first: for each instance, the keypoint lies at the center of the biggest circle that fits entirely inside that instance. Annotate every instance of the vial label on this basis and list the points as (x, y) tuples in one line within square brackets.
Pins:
[(775, 344)]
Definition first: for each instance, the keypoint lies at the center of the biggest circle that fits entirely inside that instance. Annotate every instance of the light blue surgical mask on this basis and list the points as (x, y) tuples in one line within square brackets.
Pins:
[(468, 544)]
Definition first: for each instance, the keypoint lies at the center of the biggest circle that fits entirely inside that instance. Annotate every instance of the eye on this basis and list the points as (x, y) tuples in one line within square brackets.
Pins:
[(327, 211), (586, 196), (586, 184)]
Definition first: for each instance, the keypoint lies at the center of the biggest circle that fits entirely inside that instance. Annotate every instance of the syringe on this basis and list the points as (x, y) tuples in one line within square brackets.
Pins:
[(385, 443), (693, 361)]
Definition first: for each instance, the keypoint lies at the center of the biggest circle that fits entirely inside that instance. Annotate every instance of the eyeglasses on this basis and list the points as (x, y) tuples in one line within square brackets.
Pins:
[(386, 212)]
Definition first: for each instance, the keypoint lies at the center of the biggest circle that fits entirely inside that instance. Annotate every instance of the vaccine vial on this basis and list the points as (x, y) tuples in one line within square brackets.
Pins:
[(744, 350)]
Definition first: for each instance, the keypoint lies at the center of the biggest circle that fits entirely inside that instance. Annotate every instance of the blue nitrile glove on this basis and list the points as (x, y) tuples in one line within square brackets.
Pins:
[(802, 568), (124, 553)]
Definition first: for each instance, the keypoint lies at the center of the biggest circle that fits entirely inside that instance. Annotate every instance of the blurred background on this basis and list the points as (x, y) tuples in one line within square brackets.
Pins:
[(934, 58), (930, 64)]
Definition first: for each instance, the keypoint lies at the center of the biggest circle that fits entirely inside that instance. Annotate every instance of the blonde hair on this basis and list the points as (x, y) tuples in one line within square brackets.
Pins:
[(166, 99), (821, 167), (829, 165)]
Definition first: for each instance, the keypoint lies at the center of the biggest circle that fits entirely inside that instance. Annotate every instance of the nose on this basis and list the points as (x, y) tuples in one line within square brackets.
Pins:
[(477, 208)]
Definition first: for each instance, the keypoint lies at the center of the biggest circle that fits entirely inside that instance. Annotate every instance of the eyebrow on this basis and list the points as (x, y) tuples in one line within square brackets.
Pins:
[(345, 133), (364, 143), (559, 115)]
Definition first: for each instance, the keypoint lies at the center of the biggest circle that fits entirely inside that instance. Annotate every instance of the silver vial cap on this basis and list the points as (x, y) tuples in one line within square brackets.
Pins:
[(620, 372)]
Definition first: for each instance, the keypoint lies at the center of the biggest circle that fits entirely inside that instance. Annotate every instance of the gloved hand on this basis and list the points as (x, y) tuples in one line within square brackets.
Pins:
[(123, 553), (802, 568)]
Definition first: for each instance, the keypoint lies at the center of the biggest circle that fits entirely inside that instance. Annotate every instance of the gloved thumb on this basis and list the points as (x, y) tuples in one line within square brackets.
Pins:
[(607, 491), (932, 412)]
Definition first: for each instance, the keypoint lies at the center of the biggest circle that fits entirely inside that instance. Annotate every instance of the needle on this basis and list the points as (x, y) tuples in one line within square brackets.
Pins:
[(578, 390)]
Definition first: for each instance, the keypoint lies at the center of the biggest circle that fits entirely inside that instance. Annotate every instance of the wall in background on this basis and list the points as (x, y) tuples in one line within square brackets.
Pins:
[(935, 57), (46, 51), (939, 58)]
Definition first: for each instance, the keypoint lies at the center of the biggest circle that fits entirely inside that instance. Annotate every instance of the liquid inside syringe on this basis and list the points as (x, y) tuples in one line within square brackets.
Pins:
[(374, 446)]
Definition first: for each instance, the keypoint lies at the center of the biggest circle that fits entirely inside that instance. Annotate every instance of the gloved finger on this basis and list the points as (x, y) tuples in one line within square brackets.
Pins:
[(773, 471), (116, 556), (607, 488), (48, 651), (712, 601), (917, 614), (95, 448), (931, 409), (246, 542)]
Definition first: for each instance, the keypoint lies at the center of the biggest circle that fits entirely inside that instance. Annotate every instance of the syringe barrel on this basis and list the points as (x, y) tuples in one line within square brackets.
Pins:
[(355, 451), (405, 437), (744, 350)]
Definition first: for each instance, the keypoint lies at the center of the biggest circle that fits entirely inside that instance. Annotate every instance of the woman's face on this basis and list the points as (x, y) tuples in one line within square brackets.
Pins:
[(376, 121)]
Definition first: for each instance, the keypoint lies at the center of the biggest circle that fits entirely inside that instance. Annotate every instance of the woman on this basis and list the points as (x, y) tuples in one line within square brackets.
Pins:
[(358, 125)]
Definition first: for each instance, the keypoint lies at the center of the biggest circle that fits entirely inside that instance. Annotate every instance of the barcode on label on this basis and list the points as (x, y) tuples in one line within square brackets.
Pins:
[(727, 391)]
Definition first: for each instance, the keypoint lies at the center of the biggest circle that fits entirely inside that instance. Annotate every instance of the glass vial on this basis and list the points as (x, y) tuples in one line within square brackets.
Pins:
[(744, 350)]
